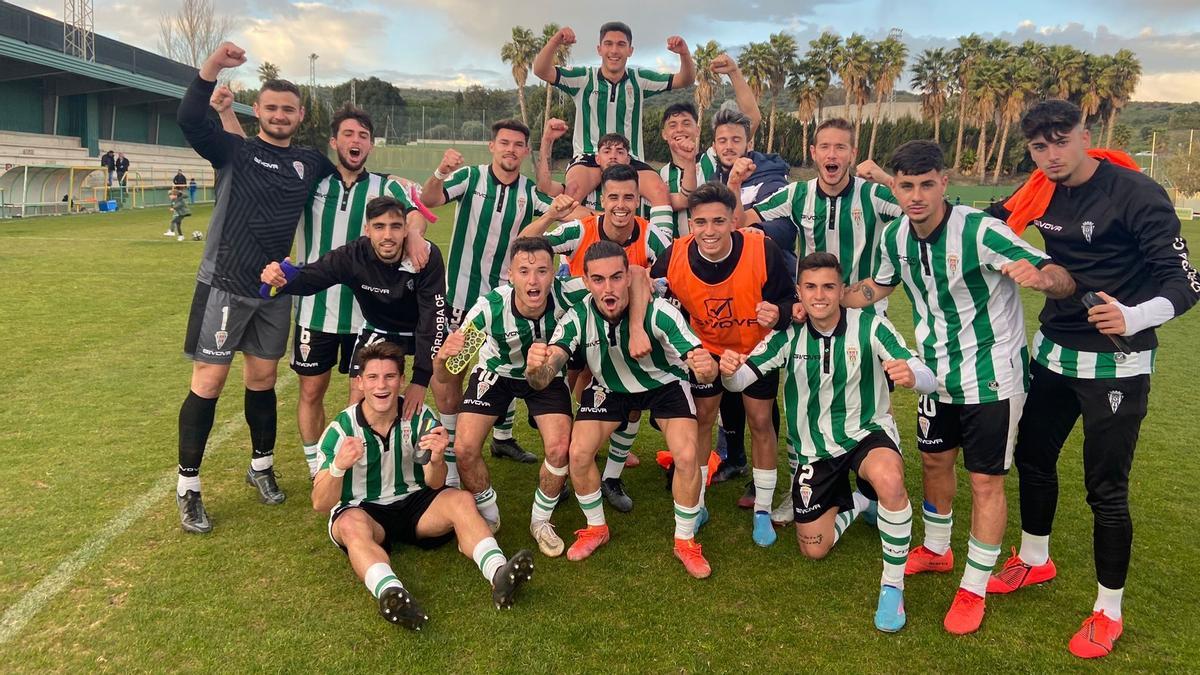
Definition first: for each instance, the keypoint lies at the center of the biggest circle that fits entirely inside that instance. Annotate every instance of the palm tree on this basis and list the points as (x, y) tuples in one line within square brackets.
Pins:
[(854, 69), (1023, 82), (890, 55), (1064, 68), (986, 86), (1000, 51), (809, 80), (519, 53), (706, 79), (1035, 53), (268, 71), (932, 75), (755, 64), (964, 56), (824, 52), (560, 59), (1122, 78), (782, 49), (1092, 93)]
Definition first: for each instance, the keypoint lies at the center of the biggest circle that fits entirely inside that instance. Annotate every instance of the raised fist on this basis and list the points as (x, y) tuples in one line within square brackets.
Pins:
[(562, 206), (451, 346), (703, 366), (723, 65), (226, 55), (349, 452), (221, 100), (731, 361), (742, 169), (452, 160), (537, 357), (565, 35), (555, 129), (677, 45)]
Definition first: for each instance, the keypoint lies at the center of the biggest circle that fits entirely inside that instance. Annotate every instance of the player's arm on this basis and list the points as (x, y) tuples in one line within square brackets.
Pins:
[(333, 268), (743, 168), (746, 100), (554, 130), (639, 299), (904, 369), (222, 102), (430, 330), (543, 362), (865, 293), (1002, 250), (1165, 254), (562, 207), (339, 452), (739, 371), (205, 136), (543, 63), (1054, 281), (434, 192), (686, 76), (779, 291), (869, 170), (436, 440)]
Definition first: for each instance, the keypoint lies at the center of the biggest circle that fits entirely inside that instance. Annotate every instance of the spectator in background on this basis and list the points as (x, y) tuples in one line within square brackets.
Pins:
[(109, 162), (122, 167), (191, 190), (179, 180)]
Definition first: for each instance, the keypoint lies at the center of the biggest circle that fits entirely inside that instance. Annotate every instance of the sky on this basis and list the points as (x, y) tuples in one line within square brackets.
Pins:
[(451, 44)]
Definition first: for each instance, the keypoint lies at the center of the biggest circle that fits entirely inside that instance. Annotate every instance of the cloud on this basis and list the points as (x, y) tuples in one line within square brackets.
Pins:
[(1182, 87)]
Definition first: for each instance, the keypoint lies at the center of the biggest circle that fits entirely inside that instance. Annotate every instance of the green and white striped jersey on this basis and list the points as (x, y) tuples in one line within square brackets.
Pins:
[(488, 217), (834, 388), (602, 107), (567, 237), (1091, 365), (708, 167), (605, 345), (509, 334), (969, 322), (672, 175), (386, 472), (334, 217), (847, 225)]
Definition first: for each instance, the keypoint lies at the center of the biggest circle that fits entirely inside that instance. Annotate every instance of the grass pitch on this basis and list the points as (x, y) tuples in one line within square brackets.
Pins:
[(93, 312)]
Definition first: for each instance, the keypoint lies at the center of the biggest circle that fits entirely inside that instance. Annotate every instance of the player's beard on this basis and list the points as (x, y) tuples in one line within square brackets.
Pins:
[(347, 161), (271, 130)]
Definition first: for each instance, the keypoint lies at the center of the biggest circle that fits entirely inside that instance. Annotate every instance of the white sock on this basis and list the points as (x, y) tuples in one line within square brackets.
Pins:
[(764, 489), (842, 522), (485, 502), (1108, 601), (981, 559), (186, 483), (543, 506), (504, 427), (379, 577), (703, 483), (310, 457), (861, 503), (619, 445), (685, 520), (593, 508), (488, 557), (262, 463), (895, 534), (793, 458), (1035, 549), (450, 422), (452, 479), (937, 528)]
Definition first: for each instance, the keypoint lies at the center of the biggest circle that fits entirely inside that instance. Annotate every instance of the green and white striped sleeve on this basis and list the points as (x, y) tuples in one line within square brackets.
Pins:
[(566, 236), (886, 343), (658, 241), (566, 333), (480, 313), (669, 325), (884, 202), (652, 82), (540, 203), (779, 205), (396, 190), (570, 80), (999, 245), (888, 273), (338, 429), (456, 185), (772, 352), (568, 292)]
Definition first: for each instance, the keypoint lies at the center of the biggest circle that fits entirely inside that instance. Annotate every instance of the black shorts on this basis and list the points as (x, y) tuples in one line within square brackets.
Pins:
[(589, 160), (669, 401), (368, 336), (398, 519), (765, 388), (221, 323), (316, 352), (986, 432), (490, 394), (825, 484)]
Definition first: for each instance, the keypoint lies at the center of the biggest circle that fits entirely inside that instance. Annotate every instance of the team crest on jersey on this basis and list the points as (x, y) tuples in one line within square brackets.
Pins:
[(994, 385), (805, 495), (952, 263), (852, 355), (410, 284), (221, 336), (856, 214), (923, 422), (521, 202), (1114, 400), (759, 348), (304, 351), (299, 167), (1088, 227)]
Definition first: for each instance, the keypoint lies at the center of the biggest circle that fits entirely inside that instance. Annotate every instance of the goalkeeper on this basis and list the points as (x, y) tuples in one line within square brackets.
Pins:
[(501, 326), (400, 304)]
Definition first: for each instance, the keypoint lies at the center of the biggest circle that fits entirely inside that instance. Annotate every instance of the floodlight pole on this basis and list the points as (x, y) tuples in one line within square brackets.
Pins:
[(79, 39)]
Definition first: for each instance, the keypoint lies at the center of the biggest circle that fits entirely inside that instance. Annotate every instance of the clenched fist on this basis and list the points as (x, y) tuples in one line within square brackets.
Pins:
[(452, 161), (452, 346), (348, 453), (537, 357), (703, 366), (564, 36), (743, 168), (562, 206), (731, 361), (555, 129), (724, 65), (677, 45), (900, 373), (221, 100), (767, 313)]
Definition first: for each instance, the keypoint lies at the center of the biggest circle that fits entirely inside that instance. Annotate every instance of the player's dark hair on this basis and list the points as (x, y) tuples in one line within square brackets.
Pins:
[(613, 139), (731, 116), (712, 193), (381, 351), (531, 245), (817, 261), (834, 123), (682, 108), (619, 26), (917, 157), (604, 249), (350, 112), (1052, 119), (383, 205), (511, 125), (619, 173), (280, 85)]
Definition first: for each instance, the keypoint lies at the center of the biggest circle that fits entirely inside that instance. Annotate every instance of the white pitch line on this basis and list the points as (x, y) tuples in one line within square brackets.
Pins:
[(34, 600), (161, 240)]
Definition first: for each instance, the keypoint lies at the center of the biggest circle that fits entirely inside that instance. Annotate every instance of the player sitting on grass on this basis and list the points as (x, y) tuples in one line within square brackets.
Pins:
[(658, 382), (835, 368), (608, 99), (513, 317), (382, 478)]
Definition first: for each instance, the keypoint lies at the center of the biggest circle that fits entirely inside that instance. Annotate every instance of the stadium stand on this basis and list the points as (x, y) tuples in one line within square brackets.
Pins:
[(59, 114)]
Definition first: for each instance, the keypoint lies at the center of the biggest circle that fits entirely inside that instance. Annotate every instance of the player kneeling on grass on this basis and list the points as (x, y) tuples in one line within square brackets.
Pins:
[(383, 480), (836, 396), (599, 327), (513, 317)]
